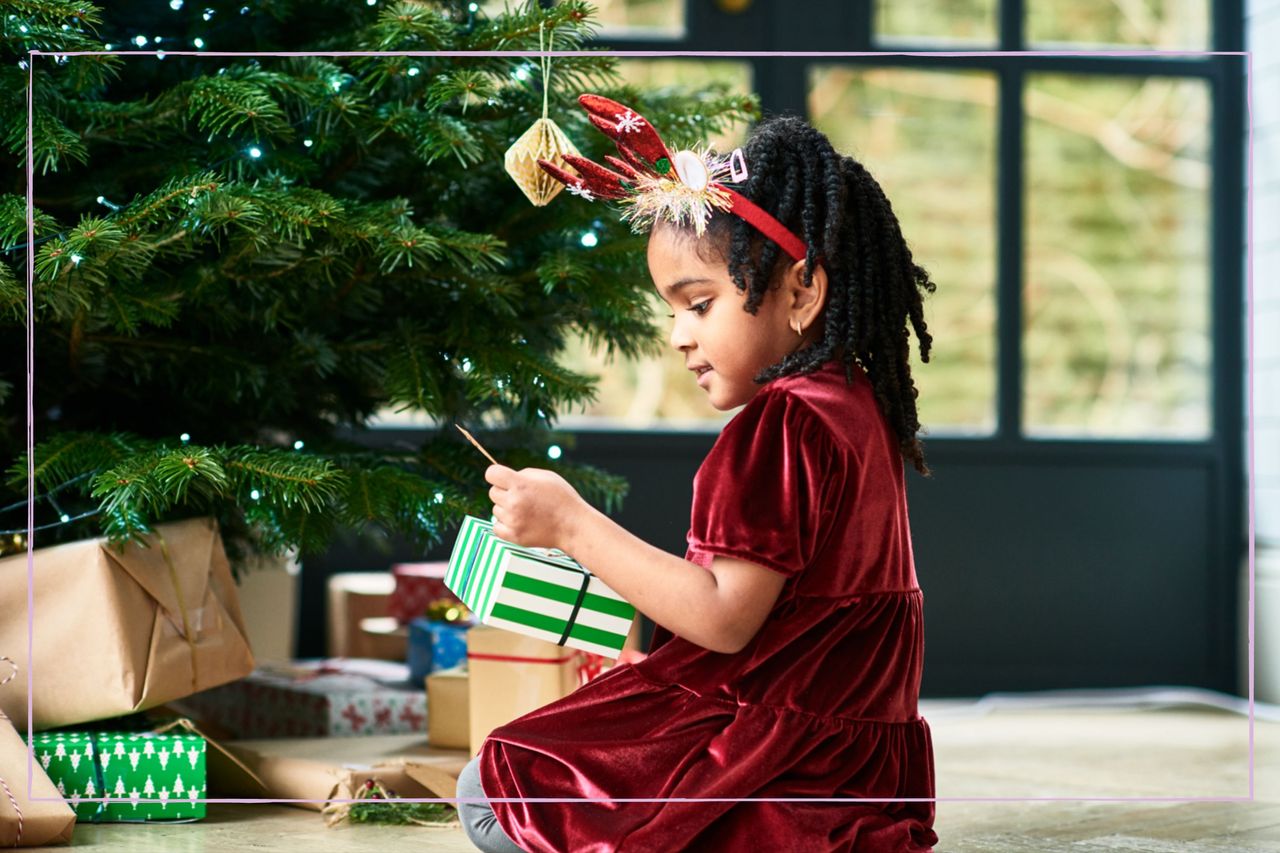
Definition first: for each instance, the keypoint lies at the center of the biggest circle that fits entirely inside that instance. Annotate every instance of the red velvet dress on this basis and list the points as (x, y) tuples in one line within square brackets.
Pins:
[(805, 480)]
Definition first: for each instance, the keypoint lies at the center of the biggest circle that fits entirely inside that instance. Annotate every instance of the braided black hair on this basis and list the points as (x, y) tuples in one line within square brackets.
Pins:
[(874, 287)]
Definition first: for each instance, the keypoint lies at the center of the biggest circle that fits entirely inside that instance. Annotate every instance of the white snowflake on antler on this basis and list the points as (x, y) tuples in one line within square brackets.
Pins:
[(629, 122), (581, 191)]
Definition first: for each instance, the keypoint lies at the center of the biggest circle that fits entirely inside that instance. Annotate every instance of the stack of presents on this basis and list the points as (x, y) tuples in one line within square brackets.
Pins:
[(144, 699)]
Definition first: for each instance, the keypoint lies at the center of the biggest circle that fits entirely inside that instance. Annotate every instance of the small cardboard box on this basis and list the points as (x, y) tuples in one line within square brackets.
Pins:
[(448, 709), (512, 674)]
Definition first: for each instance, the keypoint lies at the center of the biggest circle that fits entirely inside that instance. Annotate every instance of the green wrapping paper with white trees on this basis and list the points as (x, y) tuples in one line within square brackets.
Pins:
[(144, 777), (533, 591)]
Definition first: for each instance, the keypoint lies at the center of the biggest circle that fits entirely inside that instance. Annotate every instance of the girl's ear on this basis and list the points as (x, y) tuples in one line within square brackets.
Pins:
[(805, 302)]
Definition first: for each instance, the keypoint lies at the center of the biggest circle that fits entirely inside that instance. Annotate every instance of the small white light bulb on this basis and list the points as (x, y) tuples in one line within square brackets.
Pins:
[(255, 152), (186, 436), (255, 494), (297, 445), (198, 42), (589, 239), (553, 452), (140, 41), (175, 5), (307, 143)]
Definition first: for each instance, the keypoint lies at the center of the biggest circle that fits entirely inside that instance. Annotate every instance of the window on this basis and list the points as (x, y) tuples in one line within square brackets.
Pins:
[(1116, 283), (928, 138)]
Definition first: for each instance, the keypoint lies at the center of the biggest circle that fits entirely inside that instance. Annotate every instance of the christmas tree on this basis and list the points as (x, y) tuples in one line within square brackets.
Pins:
[(240, 260)]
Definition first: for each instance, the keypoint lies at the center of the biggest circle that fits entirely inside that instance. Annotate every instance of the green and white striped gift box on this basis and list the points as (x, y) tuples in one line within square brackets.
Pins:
[(531, 591)]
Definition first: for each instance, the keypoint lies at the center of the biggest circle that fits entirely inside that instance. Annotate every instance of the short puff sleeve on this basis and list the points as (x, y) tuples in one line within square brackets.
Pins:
[(762, 492)]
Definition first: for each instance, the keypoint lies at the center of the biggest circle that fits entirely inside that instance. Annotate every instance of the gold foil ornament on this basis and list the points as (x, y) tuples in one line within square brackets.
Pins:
[(545, 141)]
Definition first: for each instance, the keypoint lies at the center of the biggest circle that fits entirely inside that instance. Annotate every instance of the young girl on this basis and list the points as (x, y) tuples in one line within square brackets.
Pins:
[(785, 667)]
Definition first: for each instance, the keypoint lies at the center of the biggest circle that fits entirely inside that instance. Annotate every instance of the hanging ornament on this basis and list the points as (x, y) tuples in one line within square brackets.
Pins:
[(543, 141)]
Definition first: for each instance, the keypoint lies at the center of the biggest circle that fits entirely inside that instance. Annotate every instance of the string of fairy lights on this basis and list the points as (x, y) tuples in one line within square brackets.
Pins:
[(15, 539), (254, 151)]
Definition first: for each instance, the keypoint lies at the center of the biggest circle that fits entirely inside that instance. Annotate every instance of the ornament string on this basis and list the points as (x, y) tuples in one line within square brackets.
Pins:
[(186, 724), (546, 64)]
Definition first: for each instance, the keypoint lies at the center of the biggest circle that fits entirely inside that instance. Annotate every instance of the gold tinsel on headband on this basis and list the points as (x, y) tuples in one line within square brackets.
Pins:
[(671, 198)]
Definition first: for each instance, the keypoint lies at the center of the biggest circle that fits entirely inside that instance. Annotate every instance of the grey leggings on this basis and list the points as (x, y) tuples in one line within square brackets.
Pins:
[(477, 819)]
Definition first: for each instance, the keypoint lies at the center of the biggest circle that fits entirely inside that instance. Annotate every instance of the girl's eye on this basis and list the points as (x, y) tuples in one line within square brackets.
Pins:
[(699, 309)]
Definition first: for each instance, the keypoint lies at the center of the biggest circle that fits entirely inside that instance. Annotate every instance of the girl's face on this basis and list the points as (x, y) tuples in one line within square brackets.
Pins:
[(710, 327)]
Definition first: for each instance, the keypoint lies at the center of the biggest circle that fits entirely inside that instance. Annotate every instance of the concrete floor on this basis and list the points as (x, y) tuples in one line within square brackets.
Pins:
[(1078, 753)]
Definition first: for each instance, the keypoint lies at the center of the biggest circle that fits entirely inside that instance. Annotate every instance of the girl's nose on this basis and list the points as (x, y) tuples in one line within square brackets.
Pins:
[(680, 337)]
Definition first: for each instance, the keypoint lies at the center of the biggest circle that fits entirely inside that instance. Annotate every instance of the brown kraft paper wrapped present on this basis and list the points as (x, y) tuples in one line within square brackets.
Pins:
[(120, 632), (329, 768), (25, 822)]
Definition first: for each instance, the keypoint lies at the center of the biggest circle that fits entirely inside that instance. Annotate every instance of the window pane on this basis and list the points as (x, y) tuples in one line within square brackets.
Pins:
[(891, 120), (924, 21), (1116, 308), (1165, 24), (634, 394)]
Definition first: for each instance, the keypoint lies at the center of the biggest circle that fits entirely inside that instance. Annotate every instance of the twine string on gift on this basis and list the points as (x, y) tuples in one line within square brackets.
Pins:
[(182, 610), (589, 665), (519, 658), (13, 801), (190, 727), (336, 810)]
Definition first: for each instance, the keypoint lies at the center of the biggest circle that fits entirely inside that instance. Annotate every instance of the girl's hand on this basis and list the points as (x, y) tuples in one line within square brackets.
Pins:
[(532, 507)]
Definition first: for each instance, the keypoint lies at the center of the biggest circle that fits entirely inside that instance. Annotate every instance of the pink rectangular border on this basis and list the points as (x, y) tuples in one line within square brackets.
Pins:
[(638, 54)]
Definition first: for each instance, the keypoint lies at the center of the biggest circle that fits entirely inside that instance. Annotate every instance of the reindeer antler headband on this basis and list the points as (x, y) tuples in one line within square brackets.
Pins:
[(645, 179)]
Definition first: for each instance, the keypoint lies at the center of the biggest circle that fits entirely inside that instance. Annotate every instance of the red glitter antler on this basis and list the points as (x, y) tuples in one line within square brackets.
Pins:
[(631, 131), (642, 149)]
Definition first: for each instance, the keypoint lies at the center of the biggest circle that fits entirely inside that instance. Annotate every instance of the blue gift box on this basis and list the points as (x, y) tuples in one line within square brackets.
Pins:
[(434, 646)]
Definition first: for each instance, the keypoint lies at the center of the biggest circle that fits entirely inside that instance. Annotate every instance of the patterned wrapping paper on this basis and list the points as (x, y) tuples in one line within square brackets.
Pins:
[(314, 699), (543, 594), (145, 777)]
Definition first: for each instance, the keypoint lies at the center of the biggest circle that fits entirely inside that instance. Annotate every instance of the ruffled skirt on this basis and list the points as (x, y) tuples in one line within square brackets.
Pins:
[(624, 736)]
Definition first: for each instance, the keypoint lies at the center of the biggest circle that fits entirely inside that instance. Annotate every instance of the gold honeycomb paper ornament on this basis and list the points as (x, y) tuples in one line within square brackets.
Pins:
[(546, 141)]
